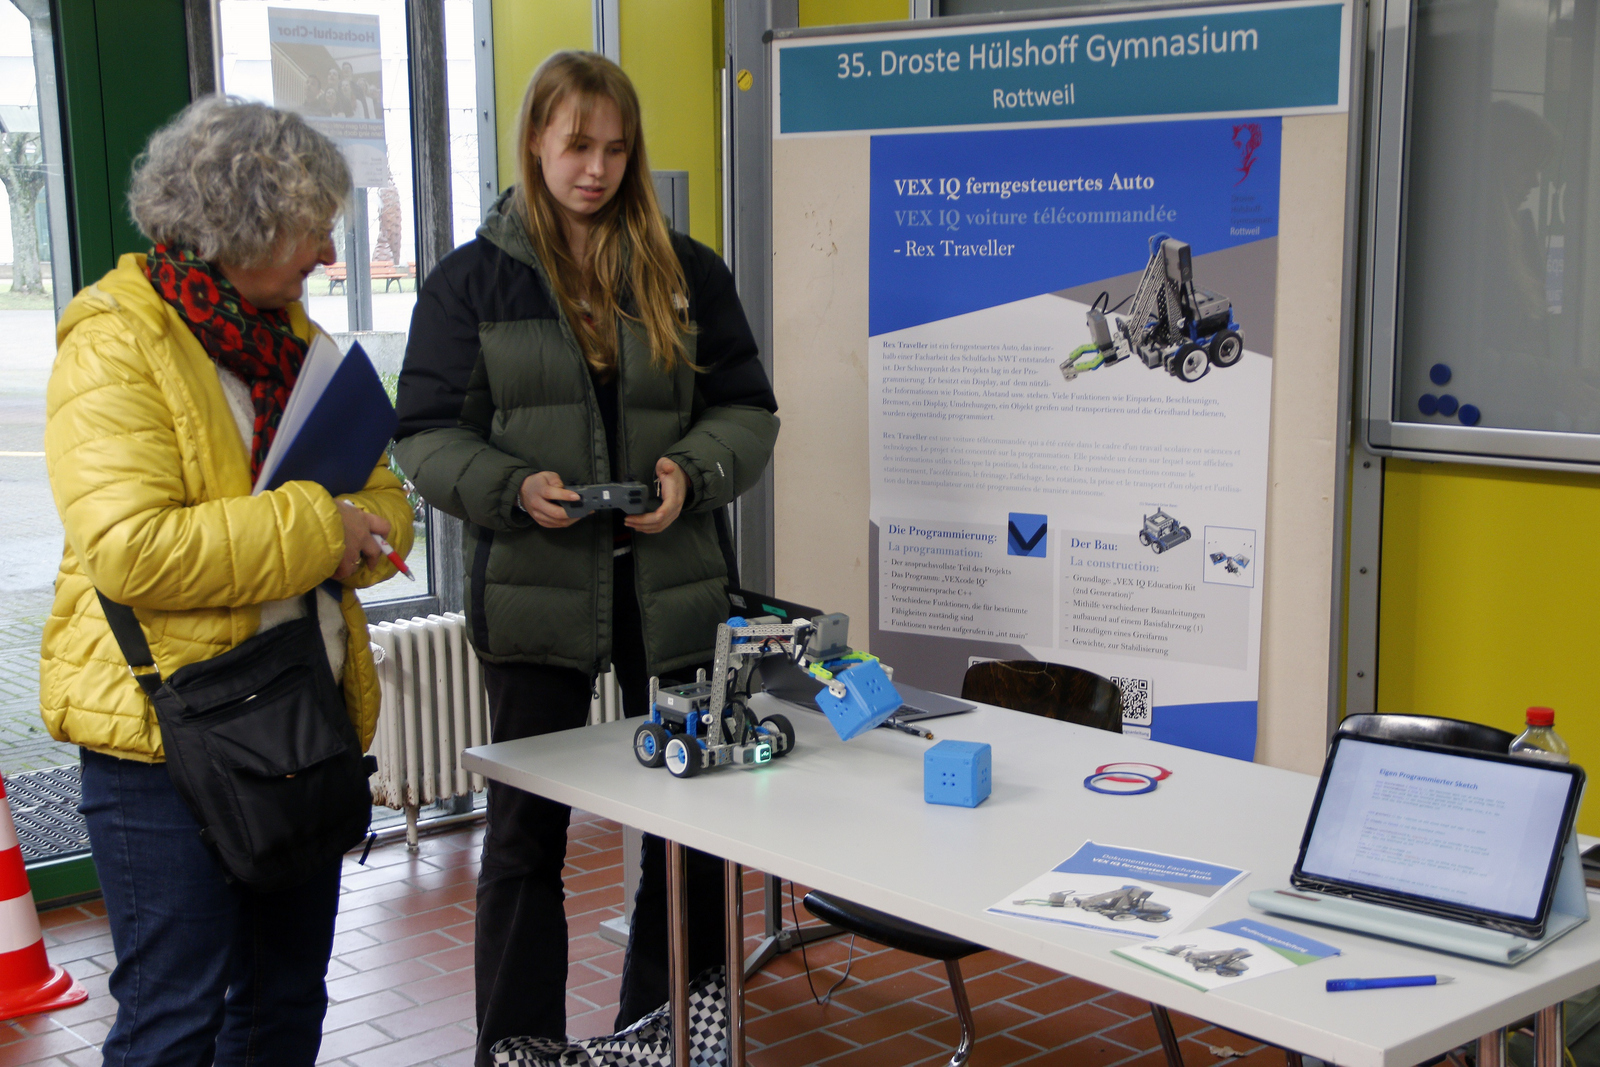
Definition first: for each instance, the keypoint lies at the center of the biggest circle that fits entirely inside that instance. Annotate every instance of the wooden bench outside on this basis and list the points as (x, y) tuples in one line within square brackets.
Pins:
[(382, 270)]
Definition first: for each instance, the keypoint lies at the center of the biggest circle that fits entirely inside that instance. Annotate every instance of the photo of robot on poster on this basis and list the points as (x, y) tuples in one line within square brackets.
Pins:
[(1070, 381)]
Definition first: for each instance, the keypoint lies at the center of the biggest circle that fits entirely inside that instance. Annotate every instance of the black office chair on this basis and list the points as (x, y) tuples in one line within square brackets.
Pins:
[(1431, 728), (1054, 691), (895, 932)]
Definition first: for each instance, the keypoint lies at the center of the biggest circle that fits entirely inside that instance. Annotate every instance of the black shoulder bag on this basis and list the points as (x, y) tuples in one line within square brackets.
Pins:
[(260, 748)]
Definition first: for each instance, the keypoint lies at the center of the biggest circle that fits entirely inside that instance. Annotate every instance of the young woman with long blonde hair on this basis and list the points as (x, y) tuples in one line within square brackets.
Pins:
[(577, 341)]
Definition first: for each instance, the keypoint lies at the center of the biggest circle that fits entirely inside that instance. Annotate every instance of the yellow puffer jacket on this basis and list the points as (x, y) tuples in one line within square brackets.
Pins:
[(152, 482)]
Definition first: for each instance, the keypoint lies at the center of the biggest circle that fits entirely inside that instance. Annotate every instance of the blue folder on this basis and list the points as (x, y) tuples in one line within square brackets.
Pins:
[(346, 432), (343, 436)]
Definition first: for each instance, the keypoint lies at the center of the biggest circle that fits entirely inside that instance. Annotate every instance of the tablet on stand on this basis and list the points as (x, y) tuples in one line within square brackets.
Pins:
[(1472, 853)]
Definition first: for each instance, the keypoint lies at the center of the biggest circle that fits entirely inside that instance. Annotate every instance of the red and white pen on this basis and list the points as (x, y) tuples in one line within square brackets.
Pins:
[(394, 557)]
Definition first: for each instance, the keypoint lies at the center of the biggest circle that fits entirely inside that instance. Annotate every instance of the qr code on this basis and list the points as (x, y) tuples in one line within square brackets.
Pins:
[(1135, 700)]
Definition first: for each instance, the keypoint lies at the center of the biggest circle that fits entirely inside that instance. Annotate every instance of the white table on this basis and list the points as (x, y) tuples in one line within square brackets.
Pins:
[(850, 819)]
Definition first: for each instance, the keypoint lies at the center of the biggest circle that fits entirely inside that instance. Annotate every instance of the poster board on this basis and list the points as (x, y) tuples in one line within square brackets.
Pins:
[(1068, 161), (326, 65)]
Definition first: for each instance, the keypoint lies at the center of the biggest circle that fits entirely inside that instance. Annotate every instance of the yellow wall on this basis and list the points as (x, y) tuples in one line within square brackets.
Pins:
[(1491, 600), (844, 12), (525, 31), (670, 50)]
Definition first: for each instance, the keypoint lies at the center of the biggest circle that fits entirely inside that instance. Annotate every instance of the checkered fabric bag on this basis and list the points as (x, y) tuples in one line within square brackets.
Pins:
[(647, 1043)]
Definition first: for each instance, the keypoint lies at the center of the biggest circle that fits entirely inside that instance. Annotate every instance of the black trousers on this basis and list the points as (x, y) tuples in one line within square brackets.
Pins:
[(521, 928)]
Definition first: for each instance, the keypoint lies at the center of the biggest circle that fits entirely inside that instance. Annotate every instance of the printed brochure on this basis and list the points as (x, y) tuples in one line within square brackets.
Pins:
[(1223, 955), (1121, 890)]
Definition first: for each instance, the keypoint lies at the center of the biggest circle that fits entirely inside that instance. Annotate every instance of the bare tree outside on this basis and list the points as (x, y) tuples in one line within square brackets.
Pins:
[(22, 171), (388, 246)]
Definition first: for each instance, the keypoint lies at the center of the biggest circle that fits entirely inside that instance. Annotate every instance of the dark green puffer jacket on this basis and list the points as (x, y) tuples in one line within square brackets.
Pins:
[(495, 388)]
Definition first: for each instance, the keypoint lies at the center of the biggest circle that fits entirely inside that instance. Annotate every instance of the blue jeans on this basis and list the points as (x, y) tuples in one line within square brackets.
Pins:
[(208, 972)]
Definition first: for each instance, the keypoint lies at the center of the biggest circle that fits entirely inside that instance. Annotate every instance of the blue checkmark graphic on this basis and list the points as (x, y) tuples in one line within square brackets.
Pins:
[(1025, 535)]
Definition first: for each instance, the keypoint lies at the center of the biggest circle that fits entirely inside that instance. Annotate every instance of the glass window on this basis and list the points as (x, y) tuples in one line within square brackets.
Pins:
[(1500, 311), (343, 64), (461, 95), (32, 193)]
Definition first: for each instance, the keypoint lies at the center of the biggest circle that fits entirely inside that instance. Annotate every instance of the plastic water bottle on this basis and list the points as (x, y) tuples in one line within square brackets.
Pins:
[(1540, 740)]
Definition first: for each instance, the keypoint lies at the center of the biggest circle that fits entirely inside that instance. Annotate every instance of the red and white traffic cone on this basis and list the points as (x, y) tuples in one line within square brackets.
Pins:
[(28, 983)]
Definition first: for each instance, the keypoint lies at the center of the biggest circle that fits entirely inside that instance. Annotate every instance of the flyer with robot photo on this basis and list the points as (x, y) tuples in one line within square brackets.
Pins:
[(1222, 955), (1126, 891)]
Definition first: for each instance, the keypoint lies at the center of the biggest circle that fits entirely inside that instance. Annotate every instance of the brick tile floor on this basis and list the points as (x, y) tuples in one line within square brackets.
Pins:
[(400, 984)]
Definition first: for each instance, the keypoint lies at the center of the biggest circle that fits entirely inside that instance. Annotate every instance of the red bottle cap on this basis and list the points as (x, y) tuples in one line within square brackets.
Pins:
[(1541, 717)]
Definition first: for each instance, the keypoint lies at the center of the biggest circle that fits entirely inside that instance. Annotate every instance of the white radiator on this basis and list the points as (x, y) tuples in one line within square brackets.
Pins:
[(434, 705)]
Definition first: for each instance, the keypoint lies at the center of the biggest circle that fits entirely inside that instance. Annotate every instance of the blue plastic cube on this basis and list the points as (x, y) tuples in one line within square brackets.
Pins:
[(956, 772), (870, 697)]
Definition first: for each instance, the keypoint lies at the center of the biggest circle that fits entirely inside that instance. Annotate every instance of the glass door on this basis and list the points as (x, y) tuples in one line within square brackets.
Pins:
[(35, 282)]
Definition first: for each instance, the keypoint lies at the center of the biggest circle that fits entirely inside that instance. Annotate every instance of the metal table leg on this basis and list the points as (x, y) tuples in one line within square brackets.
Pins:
[(1492, 1049), (678, 953), (1169, 1039), (778, 939), (733, 907), (1550, 1036)]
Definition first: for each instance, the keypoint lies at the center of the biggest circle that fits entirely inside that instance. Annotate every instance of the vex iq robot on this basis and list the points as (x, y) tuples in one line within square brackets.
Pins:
[(709, 723), (1173, 323)]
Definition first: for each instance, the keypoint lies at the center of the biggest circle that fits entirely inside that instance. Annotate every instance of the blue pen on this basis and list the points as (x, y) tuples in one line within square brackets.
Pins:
[(1340, 985)]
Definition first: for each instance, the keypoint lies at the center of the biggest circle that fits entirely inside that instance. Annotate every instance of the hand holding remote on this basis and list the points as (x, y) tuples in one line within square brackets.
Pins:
[(542, 496), (673, 489)]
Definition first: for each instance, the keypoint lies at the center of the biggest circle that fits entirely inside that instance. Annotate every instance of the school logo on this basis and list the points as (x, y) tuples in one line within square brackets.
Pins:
[(1247, 139)]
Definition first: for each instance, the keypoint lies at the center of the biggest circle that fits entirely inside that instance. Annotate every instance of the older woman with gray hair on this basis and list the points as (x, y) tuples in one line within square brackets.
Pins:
[(166, 394)]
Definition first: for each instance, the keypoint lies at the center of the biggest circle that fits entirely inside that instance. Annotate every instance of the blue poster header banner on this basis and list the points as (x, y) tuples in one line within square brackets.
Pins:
[(977, 218), (1238, 60)]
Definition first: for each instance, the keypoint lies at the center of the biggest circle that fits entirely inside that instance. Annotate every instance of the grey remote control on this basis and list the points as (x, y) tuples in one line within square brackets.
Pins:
[(630, 498)]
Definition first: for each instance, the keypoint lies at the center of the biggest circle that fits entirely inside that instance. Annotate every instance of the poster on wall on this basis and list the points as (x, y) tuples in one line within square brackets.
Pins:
[(326, 66), (1072, 293)]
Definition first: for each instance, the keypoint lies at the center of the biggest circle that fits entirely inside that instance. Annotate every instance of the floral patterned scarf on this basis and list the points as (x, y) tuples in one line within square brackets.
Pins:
[(258, 346)]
